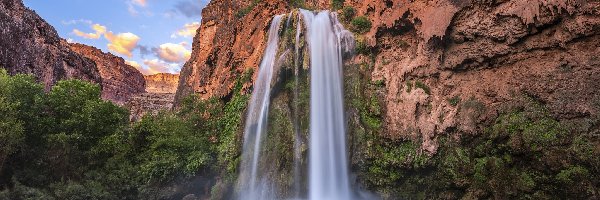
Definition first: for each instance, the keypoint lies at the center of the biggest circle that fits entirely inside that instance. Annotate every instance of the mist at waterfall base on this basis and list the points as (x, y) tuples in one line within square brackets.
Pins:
[(328, 171)]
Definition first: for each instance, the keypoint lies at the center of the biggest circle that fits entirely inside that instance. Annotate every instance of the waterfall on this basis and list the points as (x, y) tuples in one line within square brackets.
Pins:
[(324, 40), (328, 164), (252, 186), (297, 134)]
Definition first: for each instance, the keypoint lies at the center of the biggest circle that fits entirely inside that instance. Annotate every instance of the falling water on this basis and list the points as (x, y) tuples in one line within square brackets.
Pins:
[(327, 42), (328, 165), (297, 134), (251, 185)]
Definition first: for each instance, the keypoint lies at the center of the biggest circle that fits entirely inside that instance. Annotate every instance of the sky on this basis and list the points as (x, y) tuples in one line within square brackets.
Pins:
[(154, 36)]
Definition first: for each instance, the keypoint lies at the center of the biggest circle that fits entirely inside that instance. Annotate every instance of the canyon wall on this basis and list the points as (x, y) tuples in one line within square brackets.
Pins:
[(483, 50), (119, 81), (488, 52), (159, 96), (162, 83), (30, 45), (433, 78), (230, 41)]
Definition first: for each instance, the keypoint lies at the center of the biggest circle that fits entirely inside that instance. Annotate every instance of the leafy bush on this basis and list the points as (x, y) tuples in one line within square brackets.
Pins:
[(337, 4), (174, 148), (348, 13), (360, 25), (297, 3)]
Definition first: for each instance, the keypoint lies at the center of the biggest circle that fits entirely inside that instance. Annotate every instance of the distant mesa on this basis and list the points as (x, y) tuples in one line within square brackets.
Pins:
[(162, 83)]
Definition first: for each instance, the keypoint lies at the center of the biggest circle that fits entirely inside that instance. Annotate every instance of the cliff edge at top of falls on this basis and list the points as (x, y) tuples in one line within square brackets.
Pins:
[(120, 81), (445, 66), (30, 45)]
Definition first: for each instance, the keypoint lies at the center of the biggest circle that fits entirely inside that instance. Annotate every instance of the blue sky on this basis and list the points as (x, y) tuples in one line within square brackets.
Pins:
[(151, 35)]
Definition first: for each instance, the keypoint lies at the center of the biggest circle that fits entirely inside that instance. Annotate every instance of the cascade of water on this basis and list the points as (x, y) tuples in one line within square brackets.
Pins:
[(297, 136), (328, 165), (327, 41), (251, 185)]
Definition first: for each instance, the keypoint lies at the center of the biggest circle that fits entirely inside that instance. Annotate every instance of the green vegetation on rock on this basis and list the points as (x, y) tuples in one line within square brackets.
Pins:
[(360, 25), (337, 4)]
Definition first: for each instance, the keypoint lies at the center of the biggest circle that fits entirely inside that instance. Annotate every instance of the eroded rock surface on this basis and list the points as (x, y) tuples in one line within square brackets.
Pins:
[(162, 83), (120, 81), (30, 45), (486, 51), (149, 103)]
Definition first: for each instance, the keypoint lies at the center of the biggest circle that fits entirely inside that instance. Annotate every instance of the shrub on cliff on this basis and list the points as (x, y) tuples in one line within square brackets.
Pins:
[(337, 4), (360, 25), (348, 13)]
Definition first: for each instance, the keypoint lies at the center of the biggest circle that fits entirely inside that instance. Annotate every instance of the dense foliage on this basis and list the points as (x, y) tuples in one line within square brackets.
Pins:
[(360, 25), (68, 143)]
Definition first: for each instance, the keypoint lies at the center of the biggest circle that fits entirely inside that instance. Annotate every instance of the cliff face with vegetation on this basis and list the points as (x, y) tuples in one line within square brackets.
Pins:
[(119, 81), (30, 45), (472, 99)]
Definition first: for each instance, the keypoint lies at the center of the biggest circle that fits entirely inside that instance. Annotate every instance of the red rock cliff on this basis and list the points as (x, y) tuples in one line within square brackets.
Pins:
[(30, 45), (483, 52), (162, 83), (119, 80)]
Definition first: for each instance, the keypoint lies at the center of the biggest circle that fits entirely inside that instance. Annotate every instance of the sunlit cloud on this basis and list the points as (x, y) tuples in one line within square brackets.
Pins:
[(99, 30), (140, 2), (133, 5), (133, 63), (188, 30), (158, 66), (122, 43), (139, 67), (174, 53)]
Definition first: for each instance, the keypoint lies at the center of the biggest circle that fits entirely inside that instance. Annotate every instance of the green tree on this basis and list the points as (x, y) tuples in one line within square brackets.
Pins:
[(76, 120)]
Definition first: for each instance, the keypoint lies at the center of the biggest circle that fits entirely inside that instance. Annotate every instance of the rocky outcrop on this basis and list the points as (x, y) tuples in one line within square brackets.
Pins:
[(487, 52), (30, 45), (465, 49), (120, 81), (162, 83), (229, 42), (149, 103), (432, 71)]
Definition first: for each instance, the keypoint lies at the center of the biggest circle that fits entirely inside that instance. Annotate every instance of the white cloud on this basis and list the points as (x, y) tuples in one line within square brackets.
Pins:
[(140, 2), (188, 30), (174, 53), (122, 43), (99, 30), (139, 67), (158, 66)]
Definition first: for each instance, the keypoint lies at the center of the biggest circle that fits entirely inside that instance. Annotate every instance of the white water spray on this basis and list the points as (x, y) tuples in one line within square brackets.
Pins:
[(251, 184), (328, 164), (327, 41)]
